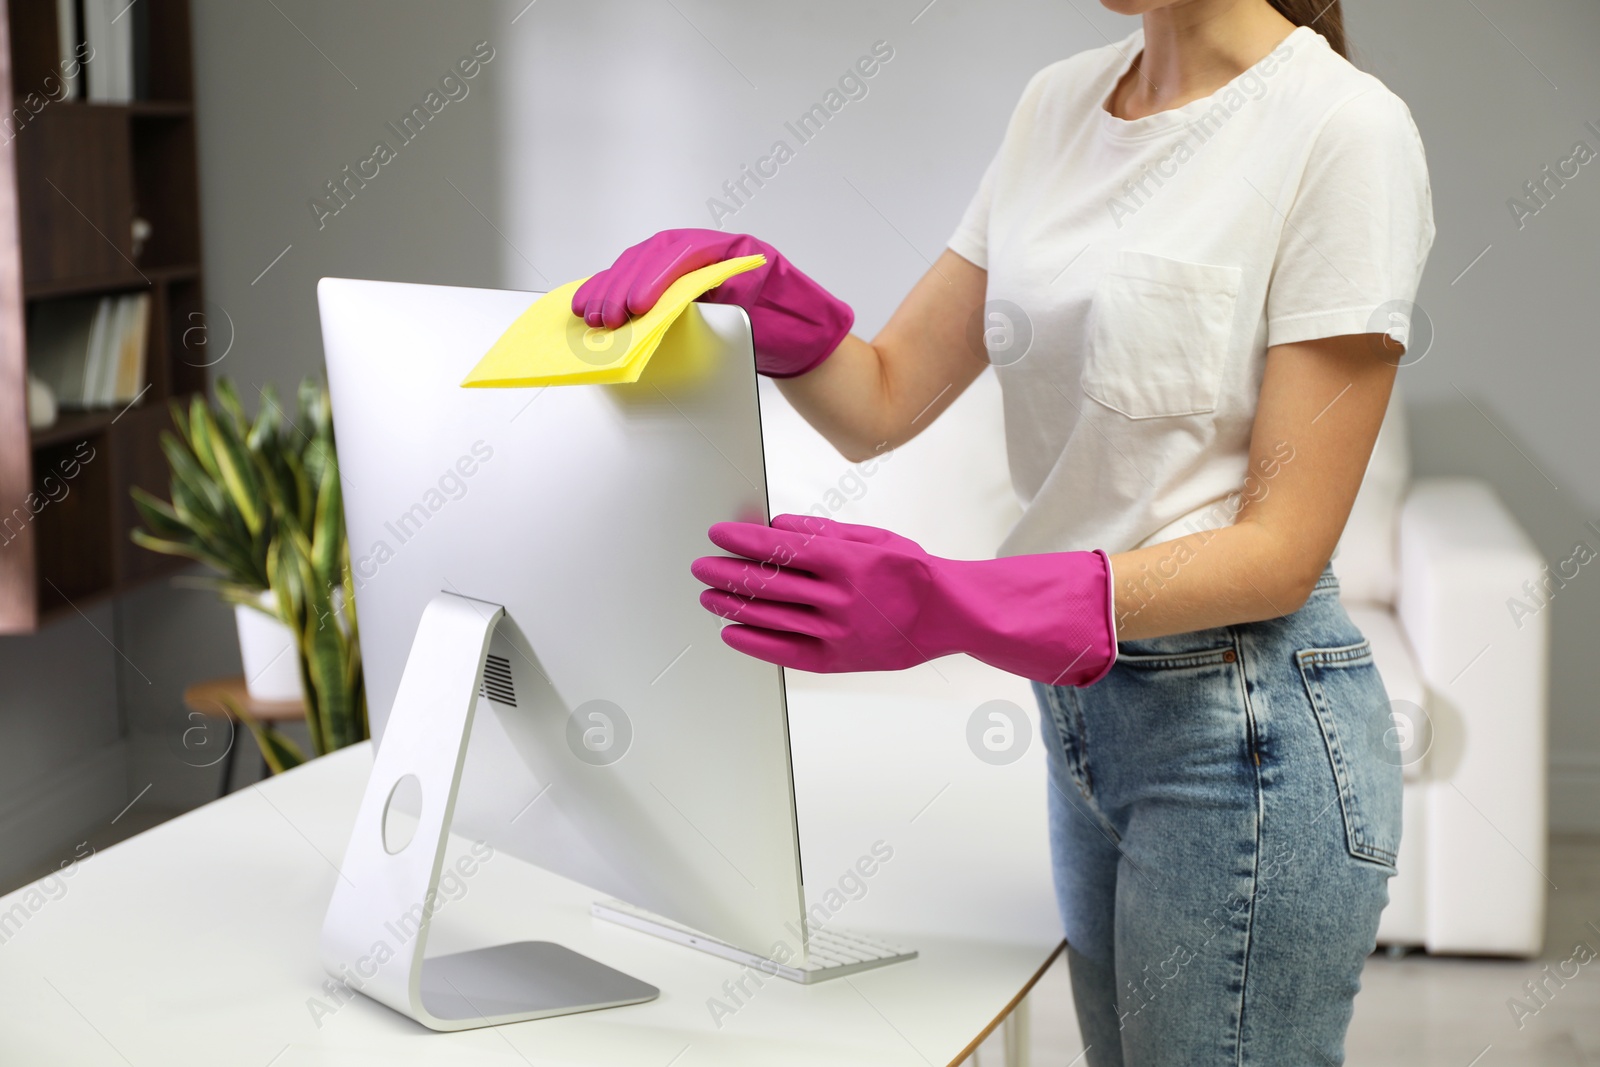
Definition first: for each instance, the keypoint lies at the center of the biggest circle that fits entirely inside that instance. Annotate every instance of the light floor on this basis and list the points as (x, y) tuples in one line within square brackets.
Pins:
[(1425, 1011)]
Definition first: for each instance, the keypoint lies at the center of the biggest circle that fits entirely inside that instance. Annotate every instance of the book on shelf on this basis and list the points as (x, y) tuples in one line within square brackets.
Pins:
[(91, 351), (131, 356), (68, 38), (118, 37), (104, 356), (94, 361)]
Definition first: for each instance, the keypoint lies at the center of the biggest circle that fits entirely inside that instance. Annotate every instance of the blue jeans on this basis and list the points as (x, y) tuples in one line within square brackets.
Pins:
[(1224, 818)]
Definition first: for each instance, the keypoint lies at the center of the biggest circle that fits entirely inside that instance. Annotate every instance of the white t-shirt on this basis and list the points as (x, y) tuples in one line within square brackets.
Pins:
[(1139, 270)]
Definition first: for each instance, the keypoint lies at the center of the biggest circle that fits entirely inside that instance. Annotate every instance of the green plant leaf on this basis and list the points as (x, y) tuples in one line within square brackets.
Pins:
[(186, 469), (169, 547), (226, 591), (238, 473), (316, 413), (233, 416), (284, 565), (276, 486), (281, 753), (199, 437), (180, 421), (325, 665), (159, 516), (224, 541), (260, 502), (267, 428), (188, 550), (299, 500), (195, 512), (329, 531)]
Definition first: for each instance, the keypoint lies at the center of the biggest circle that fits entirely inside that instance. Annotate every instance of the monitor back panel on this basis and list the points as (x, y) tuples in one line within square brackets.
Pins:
[(618, 741)]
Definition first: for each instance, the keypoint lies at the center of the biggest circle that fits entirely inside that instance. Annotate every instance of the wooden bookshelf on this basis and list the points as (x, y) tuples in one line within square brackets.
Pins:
[(73, 177)]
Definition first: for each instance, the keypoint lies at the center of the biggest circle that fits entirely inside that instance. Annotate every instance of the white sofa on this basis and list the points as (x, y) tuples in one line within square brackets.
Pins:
[(1426, 569)]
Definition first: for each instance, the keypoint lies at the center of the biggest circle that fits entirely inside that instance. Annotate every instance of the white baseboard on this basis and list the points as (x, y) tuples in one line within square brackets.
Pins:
[(1575, 794), (39, 819)]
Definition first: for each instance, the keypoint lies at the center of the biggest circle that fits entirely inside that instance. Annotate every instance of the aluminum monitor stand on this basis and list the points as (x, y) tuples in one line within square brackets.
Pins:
[(426, 738)]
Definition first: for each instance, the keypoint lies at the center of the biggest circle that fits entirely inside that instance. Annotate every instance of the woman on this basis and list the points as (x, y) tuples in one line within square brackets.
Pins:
[(1188, 257)]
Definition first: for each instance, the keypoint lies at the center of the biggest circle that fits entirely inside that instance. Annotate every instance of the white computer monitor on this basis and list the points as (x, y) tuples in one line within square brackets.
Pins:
[(618, 740)]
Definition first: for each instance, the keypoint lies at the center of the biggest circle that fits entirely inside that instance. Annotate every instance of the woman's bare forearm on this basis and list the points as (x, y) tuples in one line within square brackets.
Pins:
[(1222, 577), (1317, 419), (869, 396)]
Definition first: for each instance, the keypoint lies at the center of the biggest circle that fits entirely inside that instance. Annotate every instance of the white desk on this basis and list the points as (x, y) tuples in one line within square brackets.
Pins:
[(196, 942)]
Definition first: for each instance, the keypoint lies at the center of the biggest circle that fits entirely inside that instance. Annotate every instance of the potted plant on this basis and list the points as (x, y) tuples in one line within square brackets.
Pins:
[(259, 502)]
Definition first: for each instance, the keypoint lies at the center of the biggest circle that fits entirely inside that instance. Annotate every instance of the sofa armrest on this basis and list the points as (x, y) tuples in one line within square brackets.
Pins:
[(1483, 659)]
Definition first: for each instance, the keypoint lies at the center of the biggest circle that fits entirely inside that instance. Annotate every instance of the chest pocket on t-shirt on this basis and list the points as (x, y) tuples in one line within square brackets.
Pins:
[(1159, 331)]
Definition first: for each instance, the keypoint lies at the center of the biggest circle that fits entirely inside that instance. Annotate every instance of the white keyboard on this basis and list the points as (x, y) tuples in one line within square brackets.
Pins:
[(832, 953)]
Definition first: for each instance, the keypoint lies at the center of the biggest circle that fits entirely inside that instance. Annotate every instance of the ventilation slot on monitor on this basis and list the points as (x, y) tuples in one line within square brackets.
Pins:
[(497, 682)]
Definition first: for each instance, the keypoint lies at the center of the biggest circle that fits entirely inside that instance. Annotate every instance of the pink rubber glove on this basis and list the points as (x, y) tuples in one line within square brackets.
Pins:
[(829, 597), (797, 323)]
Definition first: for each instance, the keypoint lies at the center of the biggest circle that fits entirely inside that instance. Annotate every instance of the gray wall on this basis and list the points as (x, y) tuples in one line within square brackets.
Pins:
[(597, 123)]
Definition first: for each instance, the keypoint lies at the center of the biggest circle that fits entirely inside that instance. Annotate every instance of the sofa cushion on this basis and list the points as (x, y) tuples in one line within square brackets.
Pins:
[(1398, 666), (949, 489)]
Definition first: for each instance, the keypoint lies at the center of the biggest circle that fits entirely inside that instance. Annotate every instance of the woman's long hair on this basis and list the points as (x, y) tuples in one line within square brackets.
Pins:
[(1324, 16)]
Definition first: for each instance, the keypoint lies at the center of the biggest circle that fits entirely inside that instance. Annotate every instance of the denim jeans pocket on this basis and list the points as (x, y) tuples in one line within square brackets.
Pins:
[(1198, 648), (1352, 710), (1171, 661)]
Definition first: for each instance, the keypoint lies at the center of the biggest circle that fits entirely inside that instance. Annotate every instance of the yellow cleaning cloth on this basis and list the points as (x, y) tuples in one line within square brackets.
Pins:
[(549, 345)]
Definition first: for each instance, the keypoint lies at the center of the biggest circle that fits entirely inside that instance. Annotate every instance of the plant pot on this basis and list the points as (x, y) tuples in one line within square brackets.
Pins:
[(267, 647)]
